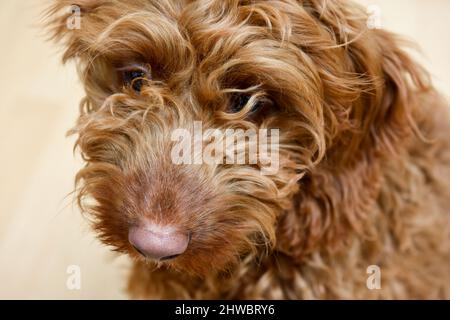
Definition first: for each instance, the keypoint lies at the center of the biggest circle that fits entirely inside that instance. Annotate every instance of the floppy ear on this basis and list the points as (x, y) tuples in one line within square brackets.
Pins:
[(370, 90), (77, 25), (73, 23)]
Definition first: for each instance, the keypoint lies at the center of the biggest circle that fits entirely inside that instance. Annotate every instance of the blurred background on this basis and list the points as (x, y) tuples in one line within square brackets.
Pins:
[(42, 233)]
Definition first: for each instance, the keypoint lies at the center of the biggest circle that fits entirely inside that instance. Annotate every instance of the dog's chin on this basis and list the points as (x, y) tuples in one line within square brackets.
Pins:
[(201, 265), (184, 266)]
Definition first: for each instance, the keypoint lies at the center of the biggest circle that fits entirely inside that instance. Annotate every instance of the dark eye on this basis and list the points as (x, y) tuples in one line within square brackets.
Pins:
[(240, 100), (134, 77)]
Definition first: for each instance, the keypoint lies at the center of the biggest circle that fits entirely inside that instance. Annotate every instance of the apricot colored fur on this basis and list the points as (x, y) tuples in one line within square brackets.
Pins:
[(364, 148)]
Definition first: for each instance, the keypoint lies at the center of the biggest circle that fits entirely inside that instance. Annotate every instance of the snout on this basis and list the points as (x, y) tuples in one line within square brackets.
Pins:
[(157, 242)]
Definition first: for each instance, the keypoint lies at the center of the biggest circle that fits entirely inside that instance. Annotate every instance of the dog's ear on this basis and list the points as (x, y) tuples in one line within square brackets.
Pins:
[(68, 23), (371, 90), (367, 78)]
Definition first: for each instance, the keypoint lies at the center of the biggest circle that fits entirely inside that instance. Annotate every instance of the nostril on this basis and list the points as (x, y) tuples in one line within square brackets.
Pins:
[(140, 252), (169, 257)]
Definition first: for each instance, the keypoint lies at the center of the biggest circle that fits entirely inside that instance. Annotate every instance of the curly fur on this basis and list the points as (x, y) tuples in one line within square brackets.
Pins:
[(364, 148)]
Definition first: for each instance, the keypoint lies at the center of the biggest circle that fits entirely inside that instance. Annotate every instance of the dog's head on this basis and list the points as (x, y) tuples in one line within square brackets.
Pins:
[(158, 72)]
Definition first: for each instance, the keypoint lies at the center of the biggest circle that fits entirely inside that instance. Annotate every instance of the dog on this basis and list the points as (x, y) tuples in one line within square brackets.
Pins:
[(358, 206)]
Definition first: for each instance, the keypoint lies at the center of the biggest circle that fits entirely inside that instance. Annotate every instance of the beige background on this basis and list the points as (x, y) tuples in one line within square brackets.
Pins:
[(41, 231)]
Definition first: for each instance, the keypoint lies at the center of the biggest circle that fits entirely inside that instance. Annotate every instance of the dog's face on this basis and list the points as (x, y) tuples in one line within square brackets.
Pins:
[(151, 68)]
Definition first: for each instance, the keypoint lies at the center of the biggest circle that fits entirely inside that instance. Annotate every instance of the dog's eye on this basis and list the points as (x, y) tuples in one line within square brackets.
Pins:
[(240, 100), (134, 77)]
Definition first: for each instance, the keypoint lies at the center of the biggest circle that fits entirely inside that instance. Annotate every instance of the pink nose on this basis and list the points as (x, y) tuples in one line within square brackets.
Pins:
[(159, 243)]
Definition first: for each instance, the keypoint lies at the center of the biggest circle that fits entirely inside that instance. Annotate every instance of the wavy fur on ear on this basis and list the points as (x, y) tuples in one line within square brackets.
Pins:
[(370, 117), (364, 148), (356, 189)]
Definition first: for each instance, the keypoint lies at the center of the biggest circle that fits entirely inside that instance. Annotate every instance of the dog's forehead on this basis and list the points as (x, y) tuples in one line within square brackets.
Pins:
[(207, 43), (168, 32), (201, 22), (204, 9)]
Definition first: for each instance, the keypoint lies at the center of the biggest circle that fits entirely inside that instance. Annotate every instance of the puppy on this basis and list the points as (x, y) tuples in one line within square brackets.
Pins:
[(358, 204)]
